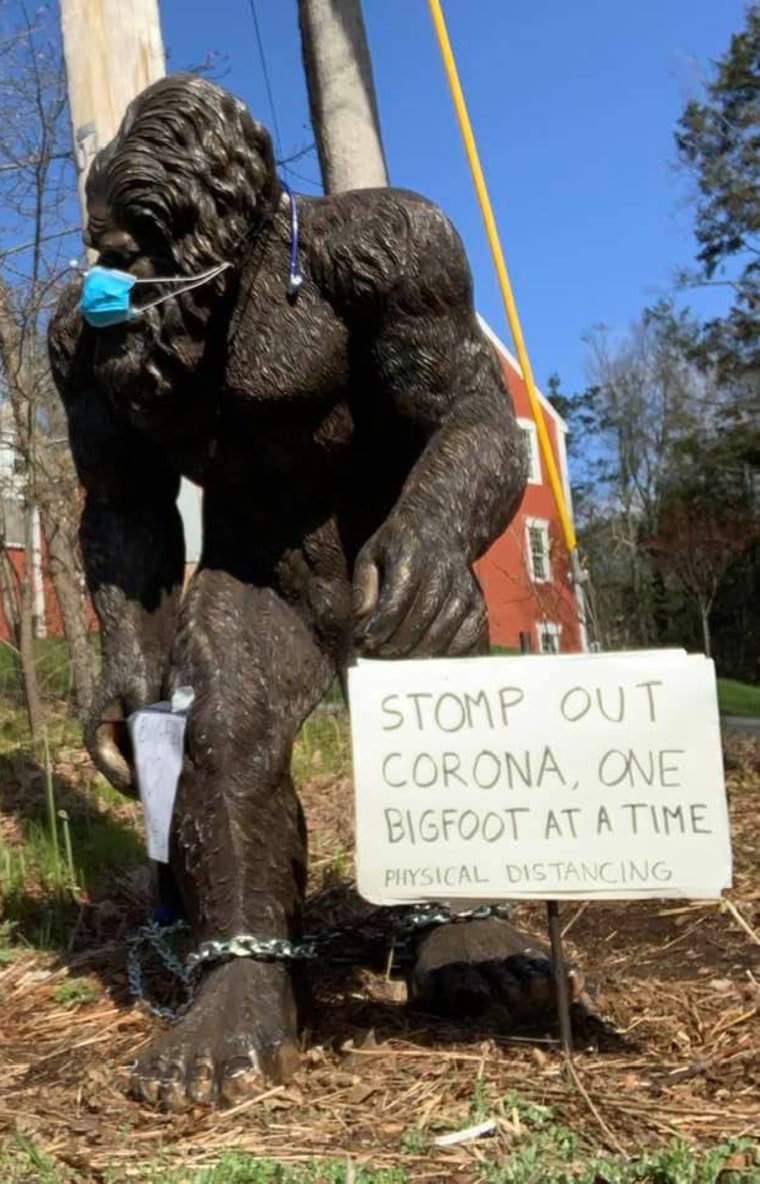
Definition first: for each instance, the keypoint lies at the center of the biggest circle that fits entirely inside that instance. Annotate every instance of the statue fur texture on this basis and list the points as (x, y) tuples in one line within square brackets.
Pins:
[(357, 450)]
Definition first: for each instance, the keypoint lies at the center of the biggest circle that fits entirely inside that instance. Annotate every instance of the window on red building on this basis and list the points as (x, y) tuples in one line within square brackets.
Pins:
[(538, 549), (548, 637), (529, 440)]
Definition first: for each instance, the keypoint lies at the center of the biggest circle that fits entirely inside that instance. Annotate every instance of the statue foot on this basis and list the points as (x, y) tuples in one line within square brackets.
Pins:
[(240, 1033), (480, 968)]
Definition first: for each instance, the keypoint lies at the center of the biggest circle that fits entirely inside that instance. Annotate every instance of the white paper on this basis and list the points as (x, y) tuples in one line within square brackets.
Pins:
[(495, 778), (158, 741)]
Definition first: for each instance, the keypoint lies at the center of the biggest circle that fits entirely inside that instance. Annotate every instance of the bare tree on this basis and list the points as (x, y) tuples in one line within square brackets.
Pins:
[(696, 547), (647, 397), (17, 579), (38, 234)]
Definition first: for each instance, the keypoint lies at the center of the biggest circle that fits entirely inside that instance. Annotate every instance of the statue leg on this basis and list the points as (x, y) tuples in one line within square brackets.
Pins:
[(238, 846)]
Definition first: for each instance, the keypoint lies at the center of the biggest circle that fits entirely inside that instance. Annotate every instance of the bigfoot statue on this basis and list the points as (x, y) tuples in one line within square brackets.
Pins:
[(315, 365)]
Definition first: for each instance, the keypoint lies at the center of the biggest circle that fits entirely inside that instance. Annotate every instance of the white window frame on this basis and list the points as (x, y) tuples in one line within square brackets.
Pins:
[(552, 629), (529, 428), (12, 512), (541, 524)]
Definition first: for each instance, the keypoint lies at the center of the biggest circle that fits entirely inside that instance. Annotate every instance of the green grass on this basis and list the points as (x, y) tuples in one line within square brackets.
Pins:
[(73, 992), (243, 1169), (52, 662), (554, 1158), (546, 1152), (23, 1163), (67, 833), (99, 842), (738, 698), (323, 746), (83, 836), (543, 1153)]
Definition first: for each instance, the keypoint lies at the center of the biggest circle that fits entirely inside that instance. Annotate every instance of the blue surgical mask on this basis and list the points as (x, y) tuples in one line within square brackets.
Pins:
[(107, 293)]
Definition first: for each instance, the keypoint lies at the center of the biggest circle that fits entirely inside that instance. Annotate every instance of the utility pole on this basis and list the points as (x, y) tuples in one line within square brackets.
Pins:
[(113, 49), (342, 95)]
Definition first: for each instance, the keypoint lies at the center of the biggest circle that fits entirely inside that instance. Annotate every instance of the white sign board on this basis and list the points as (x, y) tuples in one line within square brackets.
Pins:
[(157, 735), (589, 777)]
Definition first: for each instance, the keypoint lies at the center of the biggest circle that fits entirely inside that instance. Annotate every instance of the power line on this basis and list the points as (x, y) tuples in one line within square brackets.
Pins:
[(302, 177), (287, 166), (265, 72)]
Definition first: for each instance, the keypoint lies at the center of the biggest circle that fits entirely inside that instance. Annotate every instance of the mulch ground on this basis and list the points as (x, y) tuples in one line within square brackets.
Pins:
[(674, 1049)]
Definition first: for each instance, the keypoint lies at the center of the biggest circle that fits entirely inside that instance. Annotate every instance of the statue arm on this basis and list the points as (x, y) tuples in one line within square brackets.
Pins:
[(439, 378), (470, 475), (132, 547)]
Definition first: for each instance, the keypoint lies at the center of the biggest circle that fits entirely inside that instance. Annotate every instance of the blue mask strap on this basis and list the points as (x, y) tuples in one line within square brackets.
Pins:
[(295, 278)]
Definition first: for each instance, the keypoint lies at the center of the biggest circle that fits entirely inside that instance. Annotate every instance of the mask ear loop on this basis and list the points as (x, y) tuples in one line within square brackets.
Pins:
[(196, 283), (295, 277)]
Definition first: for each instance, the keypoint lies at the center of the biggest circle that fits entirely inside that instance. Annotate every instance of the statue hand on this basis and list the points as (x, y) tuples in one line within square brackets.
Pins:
[(107, 737), (415, 595)]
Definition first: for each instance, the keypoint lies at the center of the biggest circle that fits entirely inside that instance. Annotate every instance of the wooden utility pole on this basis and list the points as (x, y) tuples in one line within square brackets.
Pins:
[(113, 50), (342, 95)]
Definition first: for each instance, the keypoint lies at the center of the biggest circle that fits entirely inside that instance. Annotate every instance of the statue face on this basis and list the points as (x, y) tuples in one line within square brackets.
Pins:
[(157, 352), (175, 194)]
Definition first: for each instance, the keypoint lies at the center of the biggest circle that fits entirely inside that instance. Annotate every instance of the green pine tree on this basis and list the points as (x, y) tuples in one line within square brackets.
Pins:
[(718, 139)]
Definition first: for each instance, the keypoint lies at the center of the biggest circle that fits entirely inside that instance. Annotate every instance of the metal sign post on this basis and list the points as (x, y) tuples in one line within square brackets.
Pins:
[(560, 977)]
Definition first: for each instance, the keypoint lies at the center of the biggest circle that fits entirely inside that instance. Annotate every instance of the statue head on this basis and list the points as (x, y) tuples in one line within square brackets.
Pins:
[(184, 186)]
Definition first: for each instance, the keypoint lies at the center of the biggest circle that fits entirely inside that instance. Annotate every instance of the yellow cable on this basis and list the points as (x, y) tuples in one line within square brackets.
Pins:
[(568, 531)]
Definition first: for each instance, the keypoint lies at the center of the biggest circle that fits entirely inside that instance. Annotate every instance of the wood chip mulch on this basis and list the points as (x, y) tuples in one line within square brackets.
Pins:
[(674, 1049)]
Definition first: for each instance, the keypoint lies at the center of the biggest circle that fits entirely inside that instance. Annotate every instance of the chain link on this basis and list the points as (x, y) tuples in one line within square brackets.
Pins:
[(349, 942)]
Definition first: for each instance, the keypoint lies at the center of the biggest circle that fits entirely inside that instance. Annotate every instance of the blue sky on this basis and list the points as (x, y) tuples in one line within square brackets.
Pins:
[(574, 107)]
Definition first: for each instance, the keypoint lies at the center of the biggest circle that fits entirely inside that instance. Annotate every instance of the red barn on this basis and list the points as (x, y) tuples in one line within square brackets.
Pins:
[(525, 575)]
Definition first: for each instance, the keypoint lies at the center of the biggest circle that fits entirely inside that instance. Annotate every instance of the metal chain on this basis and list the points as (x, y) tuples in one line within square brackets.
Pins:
[(404, 920), (423, 915), (158, 937), (316, 945), (245, 945)]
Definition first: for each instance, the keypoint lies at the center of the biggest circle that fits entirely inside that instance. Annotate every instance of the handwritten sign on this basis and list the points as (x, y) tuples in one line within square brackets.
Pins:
[(591, 776), (158, 735)]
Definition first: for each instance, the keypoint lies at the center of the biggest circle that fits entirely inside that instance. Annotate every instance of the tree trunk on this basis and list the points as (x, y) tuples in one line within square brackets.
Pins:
[(9, 586), (72, 604), (59, 501), (32, 698), (342, 95), (9, 598), (65, 573), (704, 612), (660, 615)]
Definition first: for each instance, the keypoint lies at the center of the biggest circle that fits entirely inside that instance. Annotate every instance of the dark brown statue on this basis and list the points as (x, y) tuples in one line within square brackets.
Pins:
[(357, 450)]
